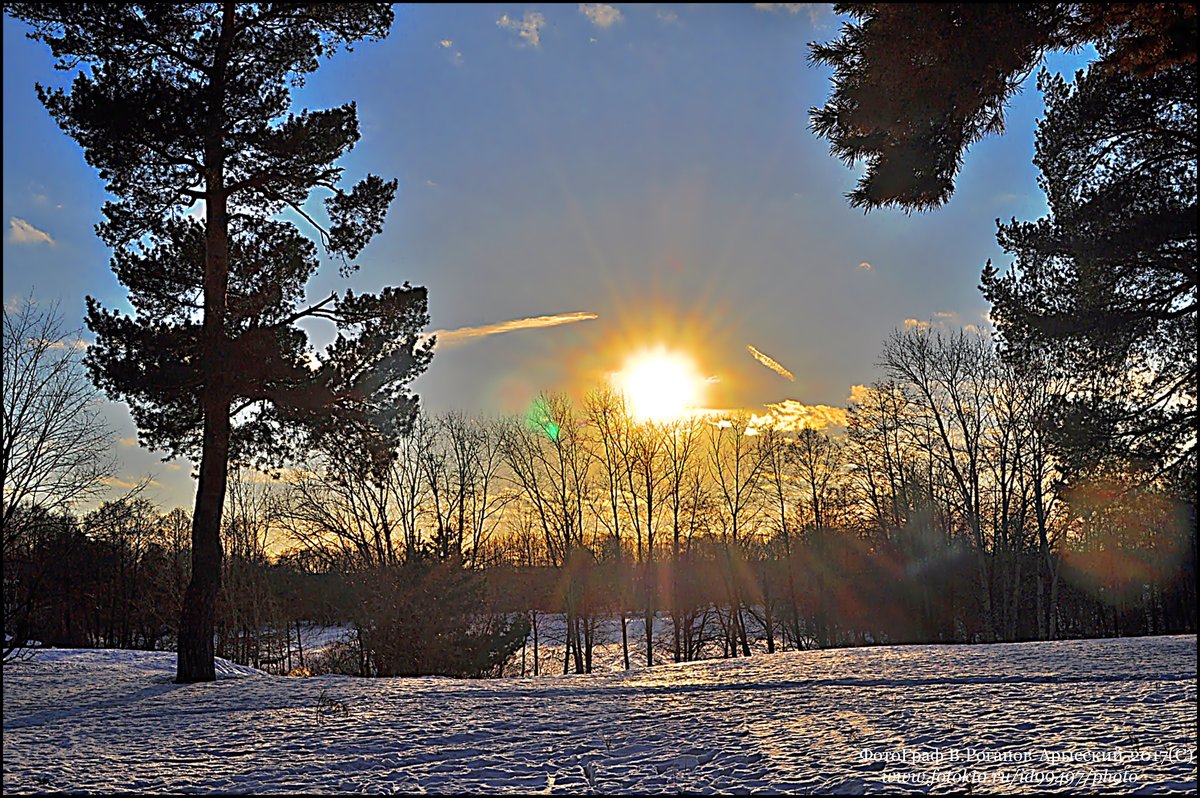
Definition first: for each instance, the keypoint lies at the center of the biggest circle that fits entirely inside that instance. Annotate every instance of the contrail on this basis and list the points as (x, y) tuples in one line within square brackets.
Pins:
[(462, 335), (770, 363)]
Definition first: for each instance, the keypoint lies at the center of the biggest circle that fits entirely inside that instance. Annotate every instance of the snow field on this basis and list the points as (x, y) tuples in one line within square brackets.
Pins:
[(848, 720)]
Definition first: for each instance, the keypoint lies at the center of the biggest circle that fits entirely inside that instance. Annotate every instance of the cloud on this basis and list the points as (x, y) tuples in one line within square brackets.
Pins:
[(275, 476), (462, 335), (668, 17), (602, 15), (529, 28), (815, 10), (77, 343), (129, 442), (858, 394), (456, 55), (866, 267), (861, 394), (770, 363), (915, 324), (125, 484), (22, 232), (791, 8), (791, 414)]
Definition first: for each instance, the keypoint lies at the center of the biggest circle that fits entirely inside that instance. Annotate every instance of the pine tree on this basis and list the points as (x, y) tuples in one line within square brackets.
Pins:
[(916, 84), (1104, 286), (181, 104)]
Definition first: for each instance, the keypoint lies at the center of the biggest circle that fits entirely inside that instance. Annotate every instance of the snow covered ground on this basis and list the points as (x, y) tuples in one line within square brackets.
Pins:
[(1112, 716)]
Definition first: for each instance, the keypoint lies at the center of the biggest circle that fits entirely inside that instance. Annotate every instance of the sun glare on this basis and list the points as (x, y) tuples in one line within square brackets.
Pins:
[(660, 385)]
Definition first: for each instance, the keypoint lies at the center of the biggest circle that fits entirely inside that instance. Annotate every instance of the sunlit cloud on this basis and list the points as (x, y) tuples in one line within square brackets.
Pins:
[(771, 363), (129, 442), (602, 15), (22, 232), (529, 28), (792, 415), (858, 394), (866, 267), (286, 475), (862, 394), (125, 484), (74, 343), (462, 335), (456, 55), (915, 324)]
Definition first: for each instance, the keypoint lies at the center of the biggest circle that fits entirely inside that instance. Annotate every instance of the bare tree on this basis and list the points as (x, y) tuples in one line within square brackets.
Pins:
[(947, 376), (550, 464), (54, 444), (737, 464)]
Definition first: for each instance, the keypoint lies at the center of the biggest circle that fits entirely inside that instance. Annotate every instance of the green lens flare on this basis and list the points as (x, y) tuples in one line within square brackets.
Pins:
[(538, 418)]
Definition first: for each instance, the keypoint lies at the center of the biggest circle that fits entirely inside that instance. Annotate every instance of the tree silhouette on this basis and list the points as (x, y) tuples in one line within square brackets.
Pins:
[(1105, 285), (180, 104), (916, 84)]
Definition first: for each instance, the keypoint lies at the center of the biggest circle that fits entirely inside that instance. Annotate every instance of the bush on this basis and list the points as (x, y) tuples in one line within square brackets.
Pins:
[(432, 620)]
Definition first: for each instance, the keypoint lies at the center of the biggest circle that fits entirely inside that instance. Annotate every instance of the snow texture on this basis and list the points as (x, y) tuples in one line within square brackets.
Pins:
[(842, 721)]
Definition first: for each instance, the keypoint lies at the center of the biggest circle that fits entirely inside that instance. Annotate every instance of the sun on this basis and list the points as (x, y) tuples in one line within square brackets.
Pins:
[(660, 385)]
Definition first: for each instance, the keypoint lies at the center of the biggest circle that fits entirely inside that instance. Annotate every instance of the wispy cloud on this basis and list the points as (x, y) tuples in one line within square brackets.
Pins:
[(529, 28), (127, 484), (791, 414), (462, 335), (65, 343), (668, 17), (22, 232), (791, 8), (770, 363), (815, 10), (602, 15)]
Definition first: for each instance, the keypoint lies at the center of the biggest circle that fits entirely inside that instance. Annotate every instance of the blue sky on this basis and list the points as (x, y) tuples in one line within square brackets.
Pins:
[(651, 166)]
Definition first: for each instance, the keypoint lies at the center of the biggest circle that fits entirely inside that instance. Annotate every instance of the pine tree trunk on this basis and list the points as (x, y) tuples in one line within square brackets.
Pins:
[(197, 624)]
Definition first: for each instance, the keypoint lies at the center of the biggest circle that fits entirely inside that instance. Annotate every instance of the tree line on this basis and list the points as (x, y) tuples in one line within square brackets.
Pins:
[(938, 513)]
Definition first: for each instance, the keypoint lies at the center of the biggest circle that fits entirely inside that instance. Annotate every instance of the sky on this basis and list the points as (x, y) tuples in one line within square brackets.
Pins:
[(626, 177)]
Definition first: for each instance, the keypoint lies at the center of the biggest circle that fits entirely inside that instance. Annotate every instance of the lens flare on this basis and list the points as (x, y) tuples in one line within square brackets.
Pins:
[(660, 385)]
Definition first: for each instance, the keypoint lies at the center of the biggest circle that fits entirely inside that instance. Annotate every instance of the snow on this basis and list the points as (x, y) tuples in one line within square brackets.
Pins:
[(1114, 716)]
